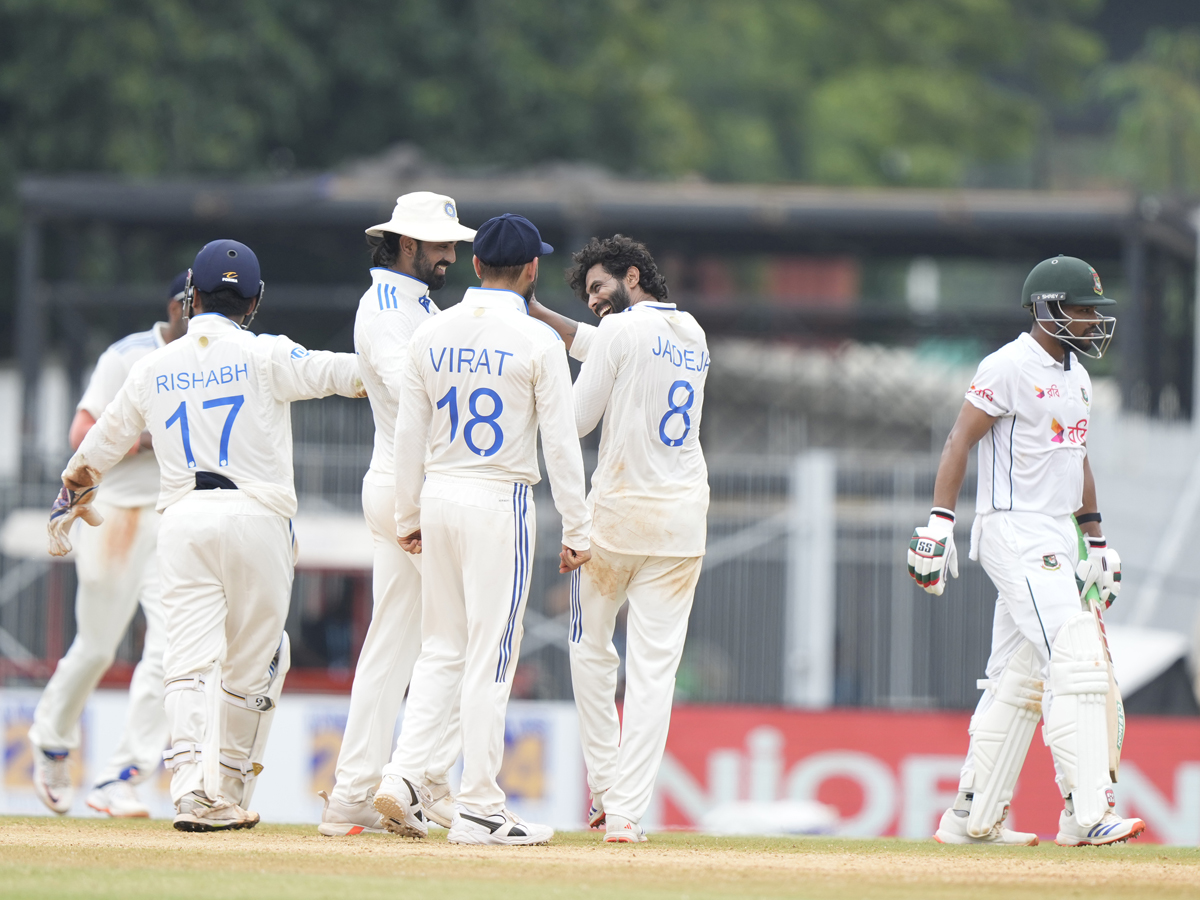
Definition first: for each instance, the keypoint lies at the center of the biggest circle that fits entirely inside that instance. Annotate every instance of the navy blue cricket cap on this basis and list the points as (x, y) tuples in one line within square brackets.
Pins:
[(178, 284), (222, 264), (509, 240)]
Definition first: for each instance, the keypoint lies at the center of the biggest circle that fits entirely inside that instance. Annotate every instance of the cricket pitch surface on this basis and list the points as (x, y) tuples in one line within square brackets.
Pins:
[(51, 858)]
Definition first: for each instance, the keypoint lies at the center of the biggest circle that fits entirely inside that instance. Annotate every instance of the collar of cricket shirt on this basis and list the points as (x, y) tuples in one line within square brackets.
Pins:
[(1039, 351), (495, 298), (210, 323)]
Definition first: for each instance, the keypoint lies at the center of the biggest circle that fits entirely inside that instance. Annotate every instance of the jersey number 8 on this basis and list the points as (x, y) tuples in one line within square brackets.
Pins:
[(677, 409), (450, 400)]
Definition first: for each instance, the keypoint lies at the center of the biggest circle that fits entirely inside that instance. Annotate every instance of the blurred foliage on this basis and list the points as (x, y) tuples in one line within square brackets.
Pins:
[(1158, 125), (835, 91)]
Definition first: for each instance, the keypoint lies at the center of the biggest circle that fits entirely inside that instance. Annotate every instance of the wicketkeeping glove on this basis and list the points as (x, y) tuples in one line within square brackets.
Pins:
[(1102, 567), (931, 552), (69, 506)]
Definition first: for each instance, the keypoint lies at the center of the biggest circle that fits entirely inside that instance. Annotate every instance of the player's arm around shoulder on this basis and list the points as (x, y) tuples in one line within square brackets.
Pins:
[(297, 373), (598, 373), (560, 446)]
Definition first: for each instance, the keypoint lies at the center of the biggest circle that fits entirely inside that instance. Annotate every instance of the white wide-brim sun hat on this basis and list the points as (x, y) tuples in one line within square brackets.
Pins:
[(425, 216)]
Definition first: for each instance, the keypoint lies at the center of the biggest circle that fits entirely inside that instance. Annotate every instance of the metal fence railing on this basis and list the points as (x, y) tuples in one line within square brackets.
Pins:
[(894, 645)]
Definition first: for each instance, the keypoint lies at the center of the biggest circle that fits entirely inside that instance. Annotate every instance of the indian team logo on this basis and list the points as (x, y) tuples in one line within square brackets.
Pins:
[(1096, 282), (450, 210), (1050, 562), (1058, 432)]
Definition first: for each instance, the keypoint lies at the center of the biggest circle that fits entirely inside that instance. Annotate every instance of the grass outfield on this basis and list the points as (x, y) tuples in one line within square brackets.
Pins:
[(50, 858)]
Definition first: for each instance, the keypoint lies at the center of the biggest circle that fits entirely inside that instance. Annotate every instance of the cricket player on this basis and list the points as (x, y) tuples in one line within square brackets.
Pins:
[(410, 254), (1028, 409), (644, 372), (115, 566), (217, 405), (480, 381)]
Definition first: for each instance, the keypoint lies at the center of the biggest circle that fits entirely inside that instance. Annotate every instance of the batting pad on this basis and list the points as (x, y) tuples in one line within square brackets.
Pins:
[(1077, 726), (1000, 737)]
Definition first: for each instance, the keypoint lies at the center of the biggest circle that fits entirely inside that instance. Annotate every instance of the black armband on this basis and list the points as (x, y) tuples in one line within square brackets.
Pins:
[(1088, 517)]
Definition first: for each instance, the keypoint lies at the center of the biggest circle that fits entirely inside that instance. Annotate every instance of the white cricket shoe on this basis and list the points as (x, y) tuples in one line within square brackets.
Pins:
[(439, 806), (344, 819), (501, 828), (1109, 830), (619, 830), (195, 812), (52, 779), (117, 799), (596, 812), (953, 830), (402, 805)]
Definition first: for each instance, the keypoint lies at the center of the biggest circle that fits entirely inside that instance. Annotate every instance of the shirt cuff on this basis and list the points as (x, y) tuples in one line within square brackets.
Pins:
[(583, 340)]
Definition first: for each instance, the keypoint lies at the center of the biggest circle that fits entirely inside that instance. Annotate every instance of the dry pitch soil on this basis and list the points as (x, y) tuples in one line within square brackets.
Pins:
[(49, 858)]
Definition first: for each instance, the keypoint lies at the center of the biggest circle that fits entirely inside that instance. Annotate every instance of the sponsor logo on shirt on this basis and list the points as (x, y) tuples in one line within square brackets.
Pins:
[(299, 353), (230, 276), (985, 393), (1075, 434), (1051, 391), (1050, 562)]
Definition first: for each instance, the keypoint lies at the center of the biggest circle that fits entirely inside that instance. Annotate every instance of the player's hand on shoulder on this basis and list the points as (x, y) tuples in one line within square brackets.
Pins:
[(569, 560), (932, 556), (1102, 568)]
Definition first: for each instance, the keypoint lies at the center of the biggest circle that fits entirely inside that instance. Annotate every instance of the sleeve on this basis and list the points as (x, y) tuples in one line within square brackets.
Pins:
[(560, 446), (107, 442), (295, 373), (585, 335), (594, 385), (414, 413), (993, 388), (392, 330), (106, 381)]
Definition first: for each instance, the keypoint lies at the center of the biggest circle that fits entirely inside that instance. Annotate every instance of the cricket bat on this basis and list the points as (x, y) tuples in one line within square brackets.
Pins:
[(1116, 707)]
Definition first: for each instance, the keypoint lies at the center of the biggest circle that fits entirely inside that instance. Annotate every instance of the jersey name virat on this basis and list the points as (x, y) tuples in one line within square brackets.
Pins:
[(1032, 459)]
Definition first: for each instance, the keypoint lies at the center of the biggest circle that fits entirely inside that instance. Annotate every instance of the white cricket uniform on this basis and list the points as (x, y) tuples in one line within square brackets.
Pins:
[(644, 370), (218, 401), (388, 313), (480, 380), (116, 568), (1030, 484)]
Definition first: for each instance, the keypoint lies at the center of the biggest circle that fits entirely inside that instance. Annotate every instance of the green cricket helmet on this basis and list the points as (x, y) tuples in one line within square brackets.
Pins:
[(1068, 281)]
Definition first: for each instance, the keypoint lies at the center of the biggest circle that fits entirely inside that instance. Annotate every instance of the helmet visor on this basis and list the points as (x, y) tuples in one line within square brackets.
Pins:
[(1091, 340)]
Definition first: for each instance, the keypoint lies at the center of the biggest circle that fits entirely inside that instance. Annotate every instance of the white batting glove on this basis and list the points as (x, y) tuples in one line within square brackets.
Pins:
[(1101, 568), (69, 506), (931, 552)]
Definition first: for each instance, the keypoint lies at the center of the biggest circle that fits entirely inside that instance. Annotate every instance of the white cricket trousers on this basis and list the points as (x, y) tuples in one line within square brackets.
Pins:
[(623, 759), (1031, 559), (477, 540), (226, 563), (116, 566), (385, 665)]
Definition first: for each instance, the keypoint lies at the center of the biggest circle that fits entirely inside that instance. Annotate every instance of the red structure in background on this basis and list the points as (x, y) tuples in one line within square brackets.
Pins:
[(893, 773)]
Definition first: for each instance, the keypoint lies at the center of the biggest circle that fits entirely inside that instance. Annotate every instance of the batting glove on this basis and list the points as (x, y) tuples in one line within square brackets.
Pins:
[(931, 552), (69, 506), (1101, 568)]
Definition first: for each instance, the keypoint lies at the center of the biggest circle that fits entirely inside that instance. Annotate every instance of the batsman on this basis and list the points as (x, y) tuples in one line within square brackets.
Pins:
[(1028, 409)]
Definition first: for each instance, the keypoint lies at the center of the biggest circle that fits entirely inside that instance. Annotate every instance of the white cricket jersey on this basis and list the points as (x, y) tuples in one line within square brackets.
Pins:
[(388, 313), (218, 400), (134, 480), (644, 370), (1032, 459), (480, 379)]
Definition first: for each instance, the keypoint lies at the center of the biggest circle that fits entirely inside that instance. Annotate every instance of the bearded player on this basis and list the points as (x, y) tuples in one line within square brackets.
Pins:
[(1028, 409), (644, 371)]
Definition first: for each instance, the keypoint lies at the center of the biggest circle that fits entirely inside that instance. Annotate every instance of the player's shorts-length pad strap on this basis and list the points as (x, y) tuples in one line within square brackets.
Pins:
[(1000, 737), (1077, 725)]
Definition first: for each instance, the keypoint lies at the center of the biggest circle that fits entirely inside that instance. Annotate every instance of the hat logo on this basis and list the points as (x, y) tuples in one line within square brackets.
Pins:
[(230, 276), (1096, 281), (449, 208)]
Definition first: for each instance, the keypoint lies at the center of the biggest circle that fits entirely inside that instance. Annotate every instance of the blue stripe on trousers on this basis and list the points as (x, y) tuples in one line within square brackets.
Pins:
[(520, 571)]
